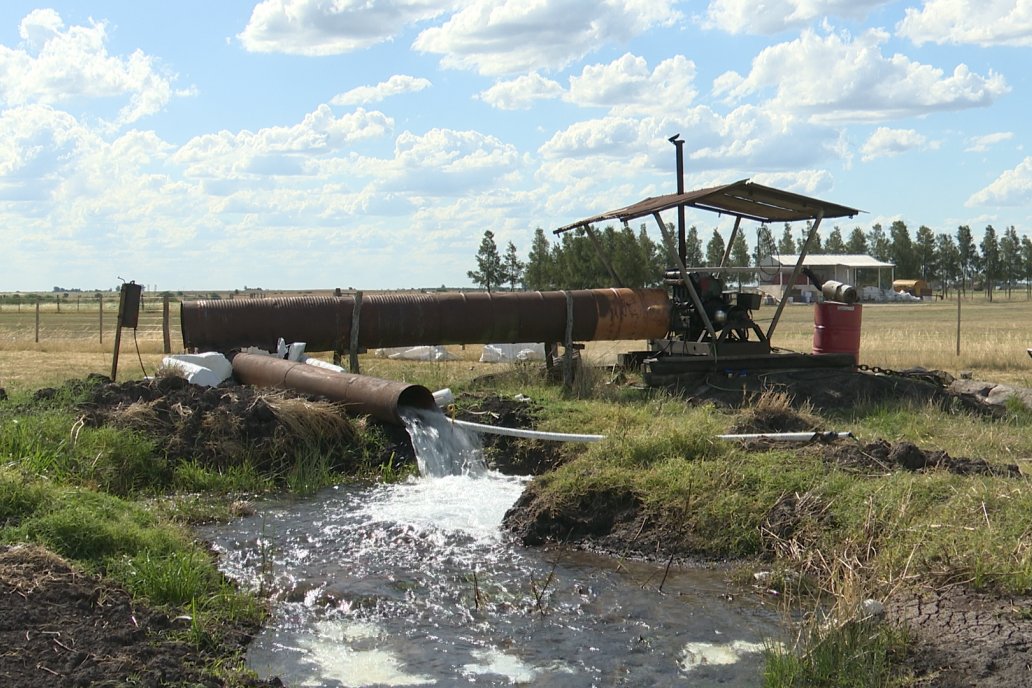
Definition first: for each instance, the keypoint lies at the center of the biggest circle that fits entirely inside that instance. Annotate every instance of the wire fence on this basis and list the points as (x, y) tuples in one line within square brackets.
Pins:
[(87, 321)]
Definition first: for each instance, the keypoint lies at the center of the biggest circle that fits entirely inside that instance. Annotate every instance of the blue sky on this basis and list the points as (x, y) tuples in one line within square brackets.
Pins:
[(304, 144)]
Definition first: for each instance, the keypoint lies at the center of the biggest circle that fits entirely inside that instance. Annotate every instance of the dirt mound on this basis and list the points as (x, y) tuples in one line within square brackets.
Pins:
[(881, 456), (600, 519), (219, 427), (60, 626), (775, 412), (509, 455)]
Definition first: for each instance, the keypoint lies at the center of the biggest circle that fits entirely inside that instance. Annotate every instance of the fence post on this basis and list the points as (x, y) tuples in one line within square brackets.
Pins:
[(37, 321), (165, 334), (100, 300)]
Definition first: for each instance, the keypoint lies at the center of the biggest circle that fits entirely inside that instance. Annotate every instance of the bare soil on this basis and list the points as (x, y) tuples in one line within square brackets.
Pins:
[(62, 627)]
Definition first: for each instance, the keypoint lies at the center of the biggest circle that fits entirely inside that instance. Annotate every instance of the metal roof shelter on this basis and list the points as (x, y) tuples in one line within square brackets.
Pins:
[(742, 200)]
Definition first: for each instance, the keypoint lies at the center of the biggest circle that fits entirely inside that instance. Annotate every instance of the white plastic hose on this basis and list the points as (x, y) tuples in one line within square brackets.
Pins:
[(528, 434)]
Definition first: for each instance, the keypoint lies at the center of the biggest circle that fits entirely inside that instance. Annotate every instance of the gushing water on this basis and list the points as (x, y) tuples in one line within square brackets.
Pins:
[(442, 448), (415, 584)]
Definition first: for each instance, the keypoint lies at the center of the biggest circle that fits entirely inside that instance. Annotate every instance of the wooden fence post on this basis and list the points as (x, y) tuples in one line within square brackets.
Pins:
[(37, 321), (100, 300), (165, 334)]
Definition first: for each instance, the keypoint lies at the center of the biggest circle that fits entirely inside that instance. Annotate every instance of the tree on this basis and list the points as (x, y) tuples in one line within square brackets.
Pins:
[(990, 250), (739, 258), (901, 249), (1010, 258), (925, 255), (815, 243), (489, 272), (947, 259), (715, 249), (835, 245), (512, 267), (763, 252), (653, 258), (693, 248), (857, 244), (786, 244), (967, 255), (1026, 264), (539, 272), (877, 243)]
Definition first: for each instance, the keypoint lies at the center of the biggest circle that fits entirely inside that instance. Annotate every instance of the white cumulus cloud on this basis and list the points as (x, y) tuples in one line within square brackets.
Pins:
[(284, 150), (1012, 188), (979, 22), (887, 143), (839, 78), (59, 64), (521, 93), (332, 27), (497, 37), (773, 16), (396, 85), (628, 86)]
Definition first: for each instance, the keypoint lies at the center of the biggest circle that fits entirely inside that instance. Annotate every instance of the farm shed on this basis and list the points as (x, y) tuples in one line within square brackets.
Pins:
[(914, 287), (775, 271)]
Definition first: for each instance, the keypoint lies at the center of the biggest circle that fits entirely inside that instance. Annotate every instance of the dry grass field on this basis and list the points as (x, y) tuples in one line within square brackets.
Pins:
[(994, 338)]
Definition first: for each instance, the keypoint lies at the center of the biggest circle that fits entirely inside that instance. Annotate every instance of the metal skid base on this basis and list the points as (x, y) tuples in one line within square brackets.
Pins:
[(671, 370)]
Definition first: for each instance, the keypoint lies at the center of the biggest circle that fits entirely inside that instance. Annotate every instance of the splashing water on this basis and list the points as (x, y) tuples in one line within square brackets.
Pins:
[(414, 583), (442, 448)]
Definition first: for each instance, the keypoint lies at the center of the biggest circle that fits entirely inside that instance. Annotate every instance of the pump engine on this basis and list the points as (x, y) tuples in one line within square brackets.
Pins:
[(719, 317)]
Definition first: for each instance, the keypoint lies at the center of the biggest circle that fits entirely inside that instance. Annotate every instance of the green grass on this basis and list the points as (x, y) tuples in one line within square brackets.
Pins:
[(856, 654)]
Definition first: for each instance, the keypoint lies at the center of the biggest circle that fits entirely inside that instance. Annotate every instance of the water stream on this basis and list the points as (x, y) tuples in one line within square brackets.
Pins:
[(415, 584)]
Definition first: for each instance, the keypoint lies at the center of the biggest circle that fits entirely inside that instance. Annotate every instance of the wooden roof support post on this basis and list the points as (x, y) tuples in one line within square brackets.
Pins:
[(696, 301), (795, 273)]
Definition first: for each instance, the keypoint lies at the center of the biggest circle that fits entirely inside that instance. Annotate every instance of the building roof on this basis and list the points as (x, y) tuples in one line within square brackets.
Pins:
[(813, 260), (740, 199)]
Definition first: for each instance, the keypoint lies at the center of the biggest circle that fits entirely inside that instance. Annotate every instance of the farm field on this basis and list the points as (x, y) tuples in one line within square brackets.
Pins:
[(993, 341)]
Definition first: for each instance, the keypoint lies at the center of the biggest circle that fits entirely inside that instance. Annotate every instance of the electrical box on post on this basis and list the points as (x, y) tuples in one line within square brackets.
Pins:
[(129, 305)]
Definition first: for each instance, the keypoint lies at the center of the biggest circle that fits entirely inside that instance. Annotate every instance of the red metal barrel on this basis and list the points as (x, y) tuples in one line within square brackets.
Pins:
[(836, 328)]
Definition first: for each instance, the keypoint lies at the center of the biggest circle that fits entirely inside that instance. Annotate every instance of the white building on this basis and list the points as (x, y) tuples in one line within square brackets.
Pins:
[(776, 272)]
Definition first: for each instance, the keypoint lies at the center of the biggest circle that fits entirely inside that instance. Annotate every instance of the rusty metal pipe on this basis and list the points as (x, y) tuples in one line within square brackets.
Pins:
[(393, 320), (360, 394)]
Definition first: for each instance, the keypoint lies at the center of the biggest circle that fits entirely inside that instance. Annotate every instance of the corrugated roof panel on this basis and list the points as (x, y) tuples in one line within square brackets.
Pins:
[(741, 199)]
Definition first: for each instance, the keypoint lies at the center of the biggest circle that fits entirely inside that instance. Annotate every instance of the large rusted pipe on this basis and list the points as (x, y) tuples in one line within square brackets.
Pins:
[(360, 394), (392, 320)]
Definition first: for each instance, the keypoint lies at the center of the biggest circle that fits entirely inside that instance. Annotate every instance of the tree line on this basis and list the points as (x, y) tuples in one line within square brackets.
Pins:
[(950, 261)]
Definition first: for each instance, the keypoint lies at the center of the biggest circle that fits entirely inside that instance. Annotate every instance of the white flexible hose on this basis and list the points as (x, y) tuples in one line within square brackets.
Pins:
[(528, 434)]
